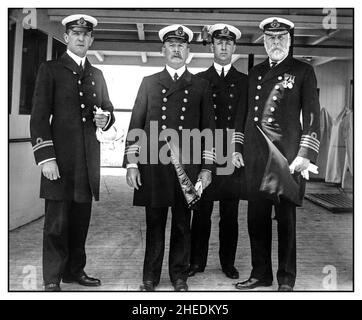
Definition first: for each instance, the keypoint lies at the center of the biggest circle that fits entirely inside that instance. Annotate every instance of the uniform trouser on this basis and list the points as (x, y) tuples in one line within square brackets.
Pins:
[(260, 233), (228, 233), (179, 253), (65, 231)]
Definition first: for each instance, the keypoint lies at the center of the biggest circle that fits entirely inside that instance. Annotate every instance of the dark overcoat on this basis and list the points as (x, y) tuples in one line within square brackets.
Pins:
[(184, 104), (229, 102), (62, 127), (284, 104)]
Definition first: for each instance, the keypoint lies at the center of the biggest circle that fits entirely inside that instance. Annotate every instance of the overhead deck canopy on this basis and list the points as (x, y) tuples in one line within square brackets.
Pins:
[(130, 36)]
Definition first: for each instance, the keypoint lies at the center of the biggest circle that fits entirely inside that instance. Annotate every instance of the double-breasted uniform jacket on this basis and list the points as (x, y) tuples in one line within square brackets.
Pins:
[(229, 102), (62, 127), (277, 98), (184, 104)]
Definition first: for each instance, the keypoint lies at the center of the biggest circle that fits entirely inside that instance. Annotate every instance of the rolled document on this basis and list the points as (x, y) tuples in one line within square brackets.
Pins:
[(187, 188)]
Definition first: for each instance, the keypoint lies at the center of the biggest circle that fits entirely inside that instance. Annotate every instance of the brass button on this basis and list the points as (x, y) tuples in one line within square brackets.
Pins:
[(214, 106), (182, 117), (163, 117), (79, 82), (93, 83), (81, 94), (163, 127), (183, 109), (94, 95), (164, 99), (180, 127), (232, 85), (186, 92), (258, 87), (229, 118), (164, 108), (259, 78), (214, 95), (163, 90), (272, 109), (84, 119), (231, 95), (185, 100), (215, 117), (275, 98), (256, 108), (280, 78), (256, 119), (256, 97), (277, 87), (270, 120), (230, 107), (82, 105)]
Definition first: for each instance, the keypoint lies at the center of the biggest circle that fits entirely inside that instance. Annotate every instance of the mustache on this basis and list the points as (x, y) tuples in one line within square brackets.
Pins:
[(176, 55)]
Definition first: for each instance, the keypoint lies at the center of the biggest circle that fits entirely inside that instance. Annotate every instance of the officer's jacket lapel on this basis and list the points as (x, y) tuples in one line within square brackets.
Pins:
[(165, 79), (279, 69), (232, 75), (87, 69), (215, 78), (183, 82), (70, 64)]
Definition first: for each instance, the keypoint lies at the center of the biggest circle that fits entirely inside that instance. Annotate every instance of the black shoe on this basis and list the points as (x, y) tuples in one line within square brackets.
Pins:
[(83, 280), (285, 287), (193, 269), (231, 272), (180, 285), (52, 287), (147, 285), (252, 283)]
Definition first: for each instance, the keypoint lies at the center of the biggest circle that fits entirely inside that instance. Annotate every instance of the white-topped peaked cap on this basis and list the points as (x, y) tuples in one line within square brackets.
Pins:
[(222, 30), (276, 24), (79, 21), (177, 31)]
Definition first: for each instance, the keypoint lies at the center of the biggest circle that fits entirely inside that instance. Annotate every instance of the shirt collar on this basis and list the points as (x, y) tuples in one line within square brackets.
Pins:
[(172, 71), (218, 68), (270, 60), (76, 58)]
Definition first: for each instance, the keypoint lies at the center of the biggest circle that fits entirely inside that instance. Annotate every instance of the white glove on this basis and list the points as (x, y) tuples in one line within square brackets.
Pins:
[(312, 168)]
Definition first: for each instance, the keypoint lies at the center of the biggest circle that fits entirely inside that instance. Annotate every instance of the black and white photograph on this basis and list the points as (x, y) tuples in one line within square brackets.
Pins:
[(181, 149)]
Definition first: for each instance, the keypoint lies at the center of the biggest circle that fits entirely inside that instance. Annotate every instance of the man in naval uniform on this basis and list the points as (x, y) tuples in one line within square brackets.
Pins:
[(229, 93), (280, 90), (63, 131), (174, 99)]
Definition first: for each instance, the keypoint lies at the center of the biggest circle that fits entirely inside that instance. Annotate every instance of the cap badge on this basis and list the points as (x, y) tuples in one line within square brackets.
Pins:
[(275, 24), (180, 31), (81, 22), (225, 31)]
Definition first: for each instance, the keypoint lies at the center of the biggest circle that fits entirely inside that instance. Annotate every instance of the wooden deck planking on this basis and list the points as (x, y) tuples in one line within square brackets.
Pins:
[(115, 246)]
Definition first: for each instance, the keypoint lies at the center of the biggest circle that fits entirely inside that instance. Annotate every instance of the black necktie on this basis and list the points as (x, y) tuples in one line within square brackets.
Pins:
[(175, 77), (272, 64), (222, 74)]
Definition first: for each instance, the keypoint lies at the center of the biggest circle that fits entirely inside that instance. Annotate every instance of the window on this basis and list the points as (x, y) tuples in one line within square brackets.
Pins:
[(34, 53)]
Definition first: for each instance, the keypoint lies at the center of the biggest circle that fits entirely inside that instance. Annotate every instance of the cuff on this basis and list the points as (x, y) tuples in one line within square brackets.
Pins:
[(105, 128), (46, 160)]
